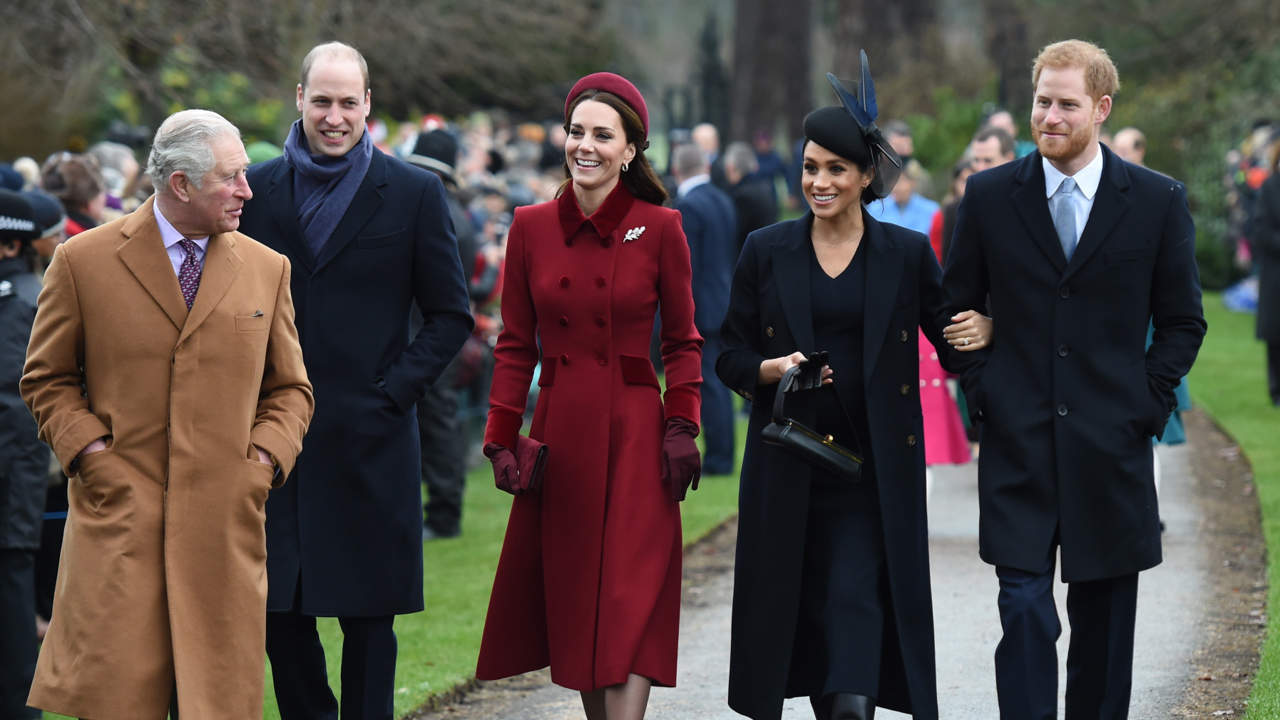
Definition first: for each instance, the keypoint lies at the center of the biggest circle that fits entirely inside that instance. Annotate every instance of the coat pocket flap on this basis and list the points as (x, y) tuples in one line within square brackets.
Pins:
[(637, 370)]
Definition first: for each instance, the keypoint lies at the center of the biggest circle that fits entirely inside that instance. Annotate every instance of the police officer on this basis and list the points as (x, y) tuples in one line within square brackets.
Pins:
[(23, 462)]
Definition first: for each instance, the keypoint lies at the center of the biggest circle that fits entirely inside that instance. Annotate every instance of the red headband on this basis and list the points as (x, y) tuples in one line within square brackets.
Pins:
[(615, 84)]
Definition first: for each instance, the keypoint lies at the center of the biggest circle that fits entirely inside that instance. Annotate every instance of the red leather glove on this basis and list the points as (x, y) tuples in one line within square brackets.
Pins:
[(506, 476), (681, 463)]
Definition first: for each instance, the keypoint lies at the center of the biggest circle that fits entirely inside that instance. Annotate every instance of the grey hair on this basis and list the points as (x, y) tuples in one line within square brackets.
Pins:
[(741, 157), (687, 161), (182, 144)]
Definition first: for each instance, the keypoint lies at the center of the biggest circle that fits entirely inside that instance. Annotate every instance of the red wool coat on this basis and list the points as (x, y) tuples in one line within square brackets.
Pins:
[(589, 577)]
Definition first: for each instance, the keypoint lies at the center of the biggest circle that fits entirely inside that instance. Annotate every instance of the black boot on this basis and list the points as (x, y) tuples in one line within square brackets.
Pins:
[(847, 706)]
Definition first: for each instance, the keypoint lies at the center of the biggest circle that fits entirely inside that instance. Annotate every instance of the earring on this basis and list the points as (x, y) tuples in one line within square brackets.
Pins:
[(626, 167)]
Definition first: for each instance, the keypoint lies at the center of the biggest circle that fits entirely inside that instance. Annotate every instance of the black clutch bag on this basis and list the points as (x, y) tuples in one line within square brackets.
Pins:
[(811, 446)]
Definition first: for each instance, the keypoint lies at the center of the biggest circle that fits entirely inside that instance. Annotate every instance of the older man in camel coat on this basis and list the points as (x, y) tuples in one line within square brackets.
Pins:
[(164, 370)]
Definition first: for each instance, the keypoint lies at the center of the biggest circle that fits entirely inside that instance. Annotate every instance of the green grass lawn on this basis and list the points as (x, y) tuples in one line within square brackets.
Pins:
[(438, 647), (1229, 381)]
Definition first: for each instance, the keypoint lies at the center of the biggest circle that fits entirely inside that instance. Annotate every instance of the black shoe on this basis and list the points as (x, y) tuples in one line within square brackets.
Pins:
[(430, 533), (847, 706)]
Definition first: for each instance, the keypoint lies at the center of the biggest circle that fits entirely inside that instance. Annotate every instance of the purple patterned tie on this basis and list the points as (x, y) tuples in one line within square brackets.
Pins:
[(189, 273)]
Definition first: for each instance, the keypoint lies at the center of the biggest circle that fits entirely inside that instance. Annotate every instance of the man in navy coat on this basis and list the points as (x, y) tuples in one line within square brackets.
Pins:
[(1076, 250), (710, 225), (369, 236)]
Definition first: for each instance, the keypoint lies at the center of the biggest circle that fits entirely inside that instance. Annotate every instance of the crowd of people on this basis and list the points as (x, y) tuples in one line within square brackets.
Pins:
[(356, 315)]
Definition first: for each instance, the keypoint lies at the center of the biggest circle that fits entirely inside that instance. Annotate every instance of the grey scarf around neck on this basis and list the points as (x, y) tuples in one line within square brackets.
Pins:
[(323, 186)]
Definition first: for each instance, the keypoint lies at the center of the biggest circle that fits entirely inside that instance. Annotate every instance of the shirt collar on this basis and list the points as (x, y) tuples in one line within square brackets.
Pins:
[(604, 220), (1087, 178), (170, 235), (693, 182)]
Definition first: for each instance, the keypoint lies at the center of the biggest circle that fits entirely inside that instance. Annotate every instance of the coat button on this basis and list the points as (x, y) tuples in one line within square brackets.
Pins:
[(1063, 351), (1064, 292), (564, 321), (564, 282), (768, 331), (903, 336), (911, 441), (600, 282), (568, 242), (564, 359), (905, 389), (602, 360), (600, 322), (1062, 410)]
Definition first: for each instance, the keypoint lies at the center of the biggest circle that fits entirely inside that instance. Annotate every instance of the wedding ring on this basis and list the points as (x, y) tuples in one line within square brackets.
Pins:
[(966, 342)]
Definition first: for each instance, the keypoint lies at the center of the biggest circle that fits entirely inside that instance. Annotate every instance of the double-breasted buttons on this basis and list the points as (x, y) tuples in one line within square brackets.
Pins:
[(600, 321), (768, 331), (564, 359), (600, 282), (602, 360), (911, 441), (905, 389), (564, 321), (564, 282), (1063, 351), (1064, 292), (1062, 410), (902, 336)]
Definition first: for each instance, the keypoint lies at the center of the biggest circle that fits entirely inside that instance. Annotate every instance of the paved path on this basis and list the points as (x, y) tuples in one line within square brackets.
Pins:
[(1171, 601)]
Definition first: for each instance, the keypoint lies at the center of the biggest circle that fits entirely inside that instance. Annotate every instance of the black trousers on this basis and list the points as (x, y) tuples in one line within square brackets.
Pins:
[(444, 453), (302, 683), (18, 646), (1273, 371), (1100, 657)]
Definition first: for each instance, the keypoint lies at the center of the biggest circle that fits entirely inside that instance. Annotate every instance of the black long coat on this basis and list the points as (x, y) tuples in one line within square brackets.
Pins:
[(769, 316), (1266, 254), (1069, 397), (347, 525), (24, 460)]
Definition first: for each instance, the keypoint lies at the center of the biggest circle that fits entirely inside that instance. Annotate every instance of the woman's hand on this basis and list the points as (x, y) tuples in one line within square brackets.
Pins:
[(969, 330), (771, 370)]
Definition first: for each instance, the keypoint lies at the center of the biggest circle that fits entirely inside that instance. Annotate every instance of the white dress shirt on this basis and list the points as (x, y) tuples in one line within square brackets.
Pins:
[(1087, 180)]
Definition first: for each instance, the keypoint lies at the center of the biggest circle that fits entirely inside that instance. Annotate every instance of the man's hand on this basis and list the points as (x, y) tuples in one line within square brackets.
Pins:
[(96, 446), (264, 457)]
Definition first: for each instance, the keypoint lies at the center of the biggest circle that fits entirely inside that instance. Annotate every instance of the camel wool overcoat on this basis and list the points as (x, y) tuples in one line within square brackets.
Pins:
[(163, 575)]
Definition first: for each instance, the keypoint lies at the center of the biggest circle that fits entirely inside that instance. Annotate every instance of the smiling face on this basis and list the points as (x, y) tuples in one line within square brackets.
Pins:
[(215, 206), (335, 105), (596, 147), (1065, 119), (832, 185)]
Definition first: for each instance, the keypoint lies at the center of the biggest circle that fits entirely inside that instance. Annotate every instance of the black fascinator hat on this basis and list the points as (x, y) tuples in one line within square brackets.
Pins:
[(850, 131)]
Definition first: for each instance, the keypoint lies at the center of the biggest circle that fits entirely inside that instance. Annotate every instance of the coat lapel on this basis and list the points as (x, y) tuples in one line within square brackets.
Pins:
[(221, 266), (1110, 203), (285, 215), (1033, 209), (367, 202), (143, 253), (884, 273), (791, 274)]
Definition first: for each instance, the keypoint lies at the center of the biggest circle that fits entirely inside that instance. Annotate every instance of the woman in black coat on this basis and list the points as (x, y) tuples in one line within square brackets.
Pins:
[(831, 586)]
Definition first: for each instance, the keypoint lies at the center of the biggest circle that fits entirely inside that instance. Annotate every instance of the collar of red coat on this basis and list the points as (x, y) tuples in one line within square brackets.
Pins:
[(604, 220)]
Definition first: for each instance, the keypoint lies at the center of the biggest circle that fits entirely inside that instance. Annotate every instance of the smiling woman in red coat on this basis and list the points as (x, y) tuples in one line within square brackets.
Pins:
[(589, 578)]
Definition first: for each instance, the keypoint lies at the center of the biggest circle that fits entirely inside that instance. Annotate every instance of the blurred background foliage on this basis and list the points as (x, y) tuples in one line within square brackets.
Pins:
[(1195, 76)]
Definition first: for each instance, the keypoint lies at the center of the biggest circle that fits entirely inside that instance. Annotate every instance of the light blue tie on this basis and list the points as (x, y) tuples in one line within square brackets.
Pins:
[(1064, 216)]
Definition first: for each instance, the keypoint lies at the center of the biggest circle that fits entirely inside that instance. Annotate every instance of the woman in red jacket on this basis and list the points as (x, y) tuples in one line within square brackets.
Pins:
[(589, 577)]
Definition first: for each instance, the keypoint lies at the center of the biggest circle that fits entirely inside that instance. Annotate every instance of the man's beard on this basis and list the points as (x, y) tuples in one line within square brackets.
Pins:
[(1076, 142)]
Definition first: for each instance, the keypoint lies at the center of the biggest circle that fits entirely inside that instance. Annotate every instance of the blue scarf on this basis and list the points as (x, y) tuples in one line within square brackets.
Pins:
[(323, 186)]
